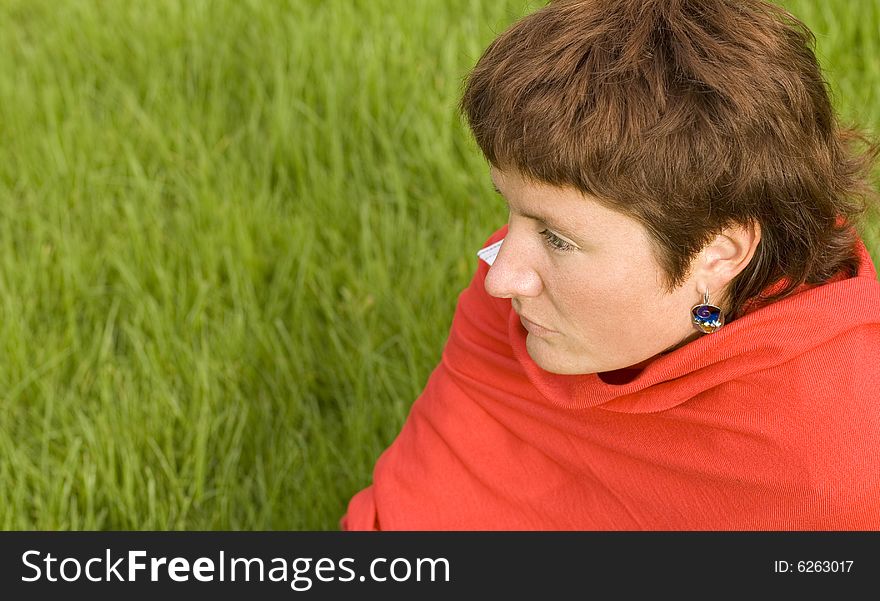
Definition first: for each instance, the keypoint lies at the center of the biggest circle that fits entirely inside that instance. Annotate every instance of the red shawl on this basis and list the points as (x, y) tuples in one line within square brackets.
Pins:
[(770, 423)]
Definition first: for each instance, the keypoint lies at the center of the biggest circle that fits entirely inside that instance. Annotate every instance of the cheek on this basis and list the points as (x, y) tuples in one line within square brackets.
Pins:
[(623, 296)]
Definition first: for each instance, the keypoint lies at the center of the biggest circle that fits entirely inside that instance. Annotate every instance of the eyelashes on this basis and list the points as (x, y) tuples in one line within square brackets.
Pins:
[(555, 243), (551, 240)]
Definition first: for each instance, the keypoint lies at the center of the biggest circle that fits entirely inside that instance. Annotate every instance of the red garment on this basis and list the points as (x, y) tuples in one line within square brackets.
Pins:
[(770, 423)]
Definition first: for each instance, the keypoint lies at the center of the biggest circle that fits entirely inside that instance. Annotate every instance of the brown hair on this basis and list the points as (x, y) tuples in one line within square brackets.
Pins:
[(689, 116)]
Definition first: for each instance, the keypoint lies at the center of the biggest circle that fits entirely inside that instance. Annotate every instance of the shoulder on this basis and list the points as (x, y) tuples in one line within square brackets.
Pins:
[(475, 299), (480, 324)]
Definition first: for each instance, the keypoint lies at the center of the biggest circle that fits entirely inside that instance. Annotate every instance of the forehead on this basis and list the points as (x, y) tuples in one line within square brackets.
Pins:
[(580, 215)]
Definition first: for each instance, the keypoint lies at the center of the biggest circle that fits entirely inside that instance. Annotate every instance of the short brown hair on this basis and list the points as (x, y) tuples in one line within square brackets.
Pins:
[(689, 116)]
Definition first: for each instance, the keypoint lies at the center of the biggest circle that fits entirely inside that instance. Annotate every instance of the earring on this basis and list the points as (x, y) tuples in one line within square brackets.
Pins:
[(707, 318)]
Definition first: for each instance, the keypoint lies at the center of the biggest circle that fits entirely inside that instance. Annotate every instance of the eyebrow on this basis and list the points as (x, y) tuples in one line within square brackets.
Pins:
[(540, 218)]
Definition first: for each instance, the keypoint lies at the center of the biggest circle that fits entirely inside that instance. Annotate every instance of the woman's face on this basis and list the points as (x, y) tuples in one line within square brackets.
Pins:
[(587, 276)]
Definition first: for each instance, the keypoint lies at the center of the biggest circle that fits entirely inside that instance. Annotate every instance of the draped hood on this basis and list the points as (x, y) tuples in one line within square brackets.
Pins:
[(770, 423)]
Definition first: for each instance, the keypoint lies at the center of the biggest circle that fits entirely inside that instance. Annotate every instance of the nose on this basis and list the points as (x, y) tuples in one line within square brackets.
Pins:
[(512, 274)]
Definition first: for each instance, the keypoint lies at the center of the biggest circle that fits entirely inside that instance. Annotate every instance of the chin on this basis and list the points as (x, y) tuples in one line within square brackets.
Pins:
[(550, 360)]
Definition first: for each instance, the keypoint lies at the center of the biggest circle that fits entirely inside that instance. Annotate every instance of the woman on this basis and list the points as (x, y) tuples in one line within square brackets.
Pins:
[(679, 327)]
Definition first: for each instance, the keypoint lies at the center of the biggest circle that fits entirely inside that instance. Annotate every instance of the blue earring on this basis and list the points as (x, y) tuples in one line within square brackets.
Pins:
[(707, 318)]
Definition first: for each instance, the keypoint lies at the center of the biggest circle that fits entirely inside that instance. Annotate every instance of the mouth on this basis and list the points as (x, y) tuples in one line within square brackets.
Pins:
[(534, 328)]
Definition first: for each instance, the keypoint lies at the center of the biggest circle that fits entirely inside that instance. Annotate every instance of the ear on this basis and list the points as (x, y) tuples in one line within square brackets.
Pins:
[(725, 257)]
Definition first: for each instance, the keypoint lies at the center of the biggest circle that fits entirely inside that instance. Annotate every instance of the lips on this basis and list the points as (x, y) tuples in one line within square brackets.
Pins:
[(535, 328)]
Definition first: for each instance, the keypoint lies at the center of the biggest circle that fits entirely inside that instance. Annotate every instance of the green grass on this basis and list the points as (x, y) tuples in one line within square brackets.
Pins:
[(232, 235)]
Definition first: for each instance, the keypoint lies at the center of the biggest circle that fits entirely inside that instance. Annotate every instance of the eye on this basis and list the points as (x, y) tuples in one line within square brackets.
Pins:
[(556, 243)]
